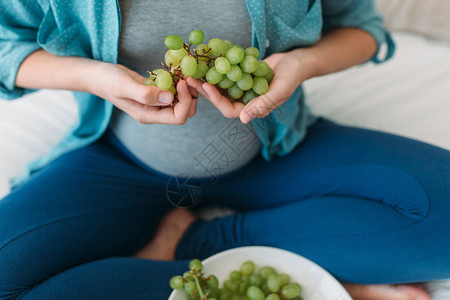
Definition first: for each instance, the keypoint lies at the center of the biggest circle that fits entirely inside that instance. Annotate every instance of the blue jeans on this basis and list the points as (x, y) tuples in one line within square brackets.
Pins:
[(368, 206)]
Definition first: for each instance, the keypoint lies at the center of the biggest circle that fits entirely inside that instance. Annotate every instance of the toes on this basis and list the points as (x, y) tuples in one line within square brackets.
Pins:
[(386, 292), (414, 291)]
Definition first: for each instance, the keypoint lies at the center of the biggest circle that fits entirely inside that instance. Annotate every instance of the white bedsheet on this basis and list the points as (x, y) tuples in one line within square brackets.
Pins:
[(409, 95)]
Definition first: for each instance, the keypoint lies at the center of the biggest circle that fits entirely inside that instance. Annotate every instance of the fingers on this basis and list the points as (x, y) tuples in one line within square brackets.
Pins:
[(148, 114), (149, 104), (229, 109), (179, 113), (194, 95), (182, 109), (193, 108), (134, 88), (151, 95), (196, 85), (261, 106), (138, 111), (193, 92), (279, 92)]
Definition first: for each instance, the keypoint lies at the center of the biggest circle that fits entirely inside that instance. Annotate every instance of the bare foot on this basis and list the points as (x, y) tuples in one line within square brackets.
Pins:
[(169, 233), (386, 292)]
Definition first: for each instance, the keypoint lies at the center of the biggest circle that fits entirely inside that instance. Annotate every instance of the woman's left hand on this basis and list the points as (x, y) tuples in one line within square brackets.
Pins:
[(290, 72)]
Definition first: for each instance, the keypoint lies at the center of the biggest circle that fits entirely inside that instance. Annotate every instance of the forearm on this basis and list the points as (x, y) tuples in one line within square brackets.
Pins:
[(45, 70), (339, 49)]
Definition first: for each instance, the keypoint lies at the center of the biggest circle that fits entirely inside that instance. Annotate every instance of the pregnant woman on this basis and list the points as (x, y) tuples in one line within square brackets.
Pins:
[(95, 218)]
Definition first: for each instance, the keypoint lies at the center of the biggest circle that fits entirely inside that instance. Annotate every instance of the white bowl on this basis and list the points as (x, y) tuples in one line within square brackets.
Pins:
[(317, 284)]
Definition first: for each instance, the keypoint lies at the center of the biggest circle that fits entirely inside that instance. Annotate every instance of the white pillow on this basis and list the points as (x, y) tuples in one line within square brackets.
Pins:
[(427, 17), (409, 95)]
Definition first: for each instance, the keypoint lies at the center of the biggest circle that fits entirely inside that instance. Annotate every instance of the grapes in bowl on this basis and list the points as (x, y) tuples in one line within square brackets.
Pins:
[(256, 273)]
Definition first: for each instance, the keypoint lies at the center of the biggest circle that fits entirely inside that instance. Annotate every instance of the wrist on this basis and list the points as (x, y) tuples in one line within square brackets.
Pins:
[(88, 75), (309, 63)]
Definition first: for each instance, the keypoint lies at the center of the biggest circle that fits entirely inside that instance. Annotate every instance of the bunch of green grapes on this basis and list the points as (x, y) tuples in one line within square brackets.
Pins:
[(232, 68), (194, 282), (244, 284)]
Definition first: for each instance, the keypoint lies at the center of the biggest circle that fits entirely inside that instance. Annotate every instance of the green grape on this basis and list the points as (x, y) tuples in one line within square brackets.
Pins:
[(164, 80), (212, 281), (248, 96), (212, 298), (196, 265), (231, 285), (190, 287), (188, 65), (156, 71), (255, 293), (222, 65), (150, 81), (291, 290), (235, 73), (235, 275), (172, 89), (273, 283), (266, 271), (228, 45), (260, 85), (202, 49), (174, 57), (225, 294), (217, 46), (202, 69), (243, 286), (252, 51), (247, 268), (196, 37), (235, 297), (265, 288), (187, 274), (255, 279), (249, 64), (246, 82), (213, 76), (272, 297), (270, 74), (235, 92), (235, 55), (173, 42), (225, 83), (262, 70), (176, 282), (212, 292), (284, 279)]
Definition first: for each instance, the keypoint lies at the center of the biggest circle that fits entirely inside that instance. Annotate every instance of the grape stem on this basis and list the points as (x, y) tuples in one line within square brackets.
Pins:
[(199, 288), (165, 66), (187, 48)]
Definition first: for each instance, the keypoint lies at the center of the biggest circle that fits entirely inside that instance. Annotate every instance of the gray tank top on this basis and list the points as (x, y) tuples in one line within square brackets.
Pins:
[(208, 144)]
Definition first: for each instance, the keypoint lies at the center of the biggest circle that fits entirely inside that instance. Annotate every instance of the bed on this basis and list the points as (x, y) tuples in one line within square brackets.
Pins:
[(409, 96)]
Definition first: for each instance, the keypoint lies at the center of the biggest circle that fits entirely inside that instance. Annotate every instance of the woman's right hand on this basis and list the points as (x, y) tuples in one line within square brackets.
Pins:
[(147, 104), (115, 83)]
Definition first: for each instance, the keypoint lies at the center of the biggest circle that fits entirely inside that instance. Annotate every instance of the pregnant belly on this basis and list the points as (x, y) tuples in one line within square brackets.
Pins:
[(207, 145)]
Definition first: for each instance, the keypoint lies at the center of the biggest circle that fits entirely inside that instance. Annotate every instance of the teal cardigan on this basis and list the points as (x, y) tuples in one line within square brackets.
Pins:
[(91, 29)]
